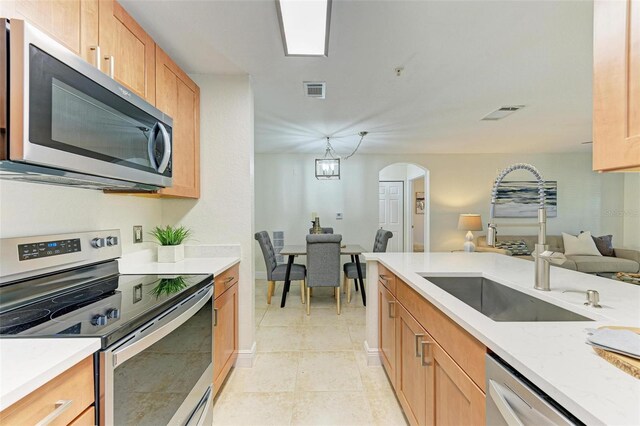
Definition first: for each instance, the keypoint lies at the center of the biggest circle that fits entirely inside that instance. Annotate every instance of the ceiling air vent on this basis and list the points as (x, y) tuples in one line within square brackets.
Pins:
[(502, 112), (315, 89)]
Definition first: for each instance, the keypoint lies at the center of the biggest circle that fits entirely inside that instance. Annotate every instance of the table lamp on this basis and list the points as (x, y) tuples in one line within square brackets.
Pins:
[(469, 222)]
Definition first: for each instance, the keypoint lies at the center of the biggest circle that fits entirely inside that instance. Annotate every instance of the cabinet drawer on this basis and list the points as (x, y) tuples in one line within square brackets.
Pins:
[(88, 418), (75, 385), (387, 278), (465, 350), (225, 280)]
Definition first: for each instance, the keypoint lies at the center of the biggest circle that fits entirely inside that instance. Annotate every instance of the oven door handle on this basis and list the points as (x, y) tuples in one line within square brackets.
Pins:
[(154, 333)]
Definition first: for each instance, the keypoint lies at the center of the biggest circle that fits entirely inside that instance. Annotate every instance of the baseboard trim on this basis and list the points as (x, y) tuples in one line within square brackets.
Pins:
[(261, 275), (373, 354), (246, 357)]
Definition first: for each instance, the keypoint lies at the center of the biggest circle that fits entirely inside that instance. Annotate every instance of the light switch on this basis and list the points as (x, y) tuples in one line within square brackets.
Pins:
[(137, 234), (338, 216)]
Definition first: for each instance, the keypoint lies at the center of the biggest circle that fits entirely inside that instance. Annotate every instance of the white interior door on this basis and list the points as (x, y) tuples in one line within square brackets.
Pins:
[(391, 213)]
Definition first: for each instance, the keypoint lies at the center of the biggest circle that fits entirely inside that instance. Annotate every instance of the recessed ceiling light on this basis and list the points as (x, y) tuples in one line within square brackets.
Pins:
[(304, 25), (502, 112)]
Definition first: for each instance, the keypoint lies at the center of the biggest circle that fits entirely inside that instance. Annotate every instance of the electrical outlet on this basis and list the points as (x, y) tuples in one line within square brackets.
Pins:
[(137, 234), (338, 216)]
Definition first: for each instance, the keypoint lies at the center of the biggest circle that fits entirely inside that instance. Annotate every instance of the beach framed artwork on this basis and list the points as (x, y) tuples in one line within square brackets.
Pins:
[(520, 199)]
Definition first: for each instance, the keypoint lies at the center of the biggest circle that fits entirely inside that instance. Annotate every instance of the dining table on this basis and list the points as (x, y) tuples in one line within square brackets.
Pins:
[(292, 251)]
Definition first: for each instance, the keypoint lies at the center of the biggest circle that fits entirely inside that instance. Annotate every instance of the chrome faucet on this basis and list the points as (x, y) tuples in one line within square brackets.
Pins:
[(542, 256)]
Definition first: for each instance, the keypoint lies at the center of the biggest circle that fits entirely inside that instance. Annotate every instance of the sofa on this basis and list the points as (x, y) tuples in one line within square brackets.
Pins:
[(624, 260)]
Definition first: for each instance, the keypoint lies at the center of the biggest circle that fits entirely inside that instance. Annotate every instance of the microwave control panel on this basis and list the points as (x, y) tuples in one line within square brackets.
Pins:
[(48, 248)]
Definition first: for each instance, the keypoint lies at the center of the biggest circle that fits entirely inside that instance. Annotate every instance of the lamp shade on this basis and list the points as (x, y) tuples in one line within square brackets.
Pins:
[(470, 222)]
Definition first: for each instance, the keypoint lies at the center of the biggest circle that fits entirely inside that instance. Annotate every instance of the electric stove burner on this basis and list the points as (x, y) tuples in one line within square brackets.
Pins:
[(21, 316), (77, 296)]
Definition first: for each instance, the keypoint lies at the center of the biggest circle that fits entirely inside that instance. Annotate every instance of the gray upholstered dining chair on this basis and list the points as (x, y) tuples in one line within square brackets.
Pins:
[(277, 272), (351, 270), (324, 230), (323, 264)]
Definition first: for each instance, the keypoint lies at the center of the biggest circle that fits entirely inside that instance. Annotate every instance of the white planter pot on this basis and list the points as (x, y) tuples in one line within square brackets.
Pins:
[(170, 254)]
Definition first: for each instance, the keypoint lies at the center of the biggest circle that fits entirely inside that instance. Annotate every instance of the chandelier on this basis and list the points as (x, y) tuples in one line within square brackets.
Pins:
[(328, 167)]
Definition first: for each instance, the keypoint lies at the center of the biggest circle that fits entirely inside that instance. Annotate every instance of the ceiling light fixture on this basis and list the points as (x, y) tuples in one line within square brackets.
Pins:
[(304, 25), (328, 167)]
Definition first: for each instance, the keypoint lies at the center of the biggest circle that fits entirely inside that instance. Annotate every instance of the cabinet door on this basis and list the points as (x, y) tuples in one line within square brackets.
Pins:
[(225, 335), (128, 49), (387, 308), (411, 375), (74, 23), (179, 96), (454, 399), (616, 85)]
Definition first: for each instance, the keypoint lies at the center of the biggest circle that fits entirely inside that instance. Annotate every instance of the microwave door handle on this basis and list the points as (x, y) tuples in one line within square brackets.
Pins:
[(167, 148), (150, 145), (503, 406), (156, 333)]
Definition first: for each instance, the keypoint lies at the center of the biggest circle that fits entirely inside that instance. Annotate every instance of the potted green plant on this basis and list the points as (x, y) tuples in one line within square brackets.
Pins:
[(170, 238)]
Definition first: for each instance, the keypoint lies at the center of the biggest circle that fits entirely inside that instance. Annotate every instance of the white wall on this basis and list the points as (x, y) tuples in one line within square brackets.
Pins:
[(224, 212), (631, 211), (35, 209), (287, 192)]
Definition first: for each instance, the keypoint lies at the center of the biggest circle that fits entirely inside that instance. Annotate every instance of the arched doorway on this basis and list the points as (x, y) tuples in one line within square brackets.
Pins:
[(403, 206)]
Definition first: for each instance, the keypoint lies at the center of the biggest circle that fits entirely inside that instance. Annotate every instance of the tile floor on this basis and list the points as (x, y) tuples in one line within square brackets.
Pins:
[(309, 370)]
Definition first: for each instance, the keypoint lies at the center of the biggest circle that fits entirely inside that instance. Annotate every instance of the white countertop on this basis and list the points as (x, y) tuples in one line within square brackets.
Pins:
[(27, 364), (552, 355), (202, 259)]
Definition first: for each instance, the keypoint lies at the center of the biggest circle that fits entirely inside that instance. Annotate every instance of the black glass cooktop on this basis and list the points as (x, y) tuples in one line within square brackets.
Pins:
[(91, 302)]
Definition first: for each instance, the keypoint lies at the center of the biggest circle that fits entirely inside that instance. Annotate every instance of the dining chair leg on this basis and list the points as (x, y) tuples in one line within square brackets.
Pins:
[(308, 301), (302, 286), (270, 290), (348, 292), (338, 295)]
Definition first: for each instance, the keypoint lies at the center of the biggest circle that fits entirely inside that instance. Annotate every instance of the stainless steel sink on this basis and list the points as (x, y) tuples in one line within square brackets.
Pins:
[(502, 303)]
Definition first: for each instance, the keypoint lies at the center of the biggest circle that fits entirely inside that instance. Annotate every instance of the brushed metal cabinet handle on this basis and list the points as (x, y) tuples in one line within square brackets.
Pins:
[(61, 407), (228, 280), (392, 304), (112, 65), (429, 361), (418, 345), (384, 277), (215, 317), (96, 51)]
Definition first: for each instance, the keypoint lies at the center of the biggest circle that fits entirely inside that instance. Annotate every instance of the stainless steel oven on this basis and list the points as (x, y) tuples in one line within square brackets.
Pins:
[(155, 363), (68, 121), (161, 373)]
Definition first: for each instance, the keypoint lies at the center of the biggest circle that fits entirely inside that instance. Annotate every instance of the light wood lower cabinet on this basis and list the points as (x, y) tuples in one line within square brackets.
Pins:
[(387, 312), (434, 365), (225, 330), (65, 400)]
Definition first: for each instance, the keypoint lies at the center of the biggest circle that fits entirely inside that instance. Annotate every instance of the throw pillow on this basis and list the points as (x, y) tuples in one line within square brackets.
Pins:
[(582, 245), (516, 247), (604, 245)]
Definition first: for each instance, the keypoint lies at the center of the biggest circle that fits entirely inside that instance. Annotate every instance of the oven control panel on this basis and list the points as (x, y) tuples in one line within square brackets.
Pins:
[(48, 248)]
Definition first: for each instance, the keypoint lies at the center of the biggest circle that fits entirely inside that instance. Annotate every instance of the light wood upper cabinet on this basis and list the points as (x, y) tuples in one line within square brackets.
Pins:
[(616, 85), (127, 48), (74, 23), (225, 333), (178, 96)]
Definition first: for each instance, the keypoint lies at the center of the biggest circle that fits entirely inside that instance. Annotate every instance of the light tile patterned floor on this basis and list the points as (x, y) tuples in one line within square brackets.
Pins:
[(309, 370)]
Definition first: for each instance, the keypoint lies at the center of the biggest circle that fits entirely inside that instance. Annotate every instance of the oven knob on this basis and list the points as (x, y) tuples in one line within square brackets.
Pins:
[(113, 313), (99, 320), (97, 242), (112, 241)]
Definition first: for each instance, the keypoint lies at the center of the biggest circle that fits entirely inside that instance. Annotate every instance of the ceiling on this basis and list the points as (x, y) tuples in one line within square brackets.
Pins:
[(461, 60)]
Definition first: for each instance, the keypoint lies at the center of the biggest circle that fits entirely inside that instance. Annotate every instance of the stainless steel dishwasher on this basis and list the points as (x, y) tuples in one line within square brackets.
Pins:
[(514, 401)]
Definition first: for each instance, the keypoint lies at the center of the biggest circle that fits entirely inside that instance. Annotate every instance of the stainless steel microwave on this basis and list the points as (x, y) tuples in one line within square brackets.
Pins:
[(65, 122)]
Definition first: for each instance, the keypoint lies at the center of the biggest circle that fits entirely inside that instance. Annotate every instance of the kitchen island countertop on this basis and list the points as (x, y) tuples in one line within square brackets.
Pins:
[(552, 355)]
